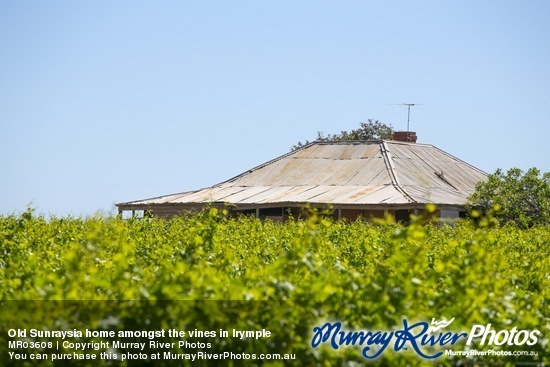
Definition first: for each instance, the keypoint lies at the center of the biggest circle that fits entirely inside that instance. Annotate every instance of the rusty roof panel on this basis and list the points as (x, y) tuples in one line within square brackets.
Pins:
[(343, 195), (360, 194), (291, 194), (319, 171), (387, 195), (282, 194), (373, 172), (245, 195), (437, 195), (214, 194), (338, 151), (262, 174)]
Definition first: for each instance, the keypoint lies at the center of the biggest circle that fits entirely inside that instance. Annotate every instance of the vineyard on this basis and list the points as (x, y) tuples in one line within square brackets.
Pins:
[(211, 272)]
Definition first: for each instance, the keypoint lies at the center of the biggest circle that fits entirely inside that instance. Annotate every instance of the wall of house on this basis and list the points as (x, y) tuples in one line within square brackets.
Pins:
[(281, 214)]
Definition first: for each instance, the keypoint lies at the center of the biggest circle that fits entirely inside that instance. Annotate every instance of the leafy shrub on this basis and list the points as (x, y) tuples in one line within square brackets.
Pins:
[(517, 198)]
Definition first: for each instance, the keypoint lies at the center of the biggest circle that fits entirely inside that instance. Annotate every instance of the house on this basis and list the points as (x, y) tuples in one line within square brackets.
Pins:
[(356, 178)]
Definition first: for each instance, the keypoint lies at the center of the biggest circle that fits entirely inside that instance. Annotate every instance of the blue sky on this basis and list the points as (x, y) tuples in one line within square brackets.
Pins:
[(104, 102)]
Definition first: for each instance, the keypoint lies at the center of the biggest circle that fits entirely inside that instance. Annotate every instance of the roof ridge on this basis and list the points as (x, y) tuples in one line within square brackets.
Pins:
[(391, 170)]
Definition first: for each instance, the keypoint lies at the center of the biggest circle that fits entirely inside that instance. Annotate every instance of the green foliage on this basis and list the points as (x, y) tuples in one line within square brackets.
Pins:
[(210, 272), (517, 198), (371, 130)]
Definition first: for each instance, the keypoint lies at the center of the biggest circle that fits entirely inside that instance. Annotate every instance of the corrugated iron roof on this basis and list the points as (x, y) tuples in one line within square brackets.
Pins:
[(344, 173)]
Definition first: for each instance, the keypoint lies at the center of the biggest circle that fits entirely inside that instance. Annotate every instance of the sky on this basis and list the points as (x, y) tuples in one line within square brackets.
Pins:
[(104, 102)]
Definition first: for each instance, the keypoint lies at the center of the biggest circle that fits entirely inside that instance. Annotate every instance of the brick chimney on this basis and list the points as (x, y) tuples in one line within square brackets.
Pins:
[(409, 136)]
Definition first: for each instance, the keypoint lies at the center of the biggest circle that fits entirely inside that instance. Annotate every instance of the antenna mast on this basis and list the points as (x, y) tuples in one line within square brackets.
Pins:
[(409, 117)]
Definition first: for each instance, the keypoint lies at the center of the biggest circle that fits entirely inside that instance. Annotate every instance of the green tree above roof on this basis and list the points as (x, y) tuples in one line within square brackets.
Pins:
[(370, 130)]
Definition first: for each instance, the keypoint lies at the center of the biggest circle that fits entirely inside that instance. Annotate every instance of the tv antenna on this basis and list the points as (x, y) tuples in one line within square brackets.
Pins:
[(409, 105)]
